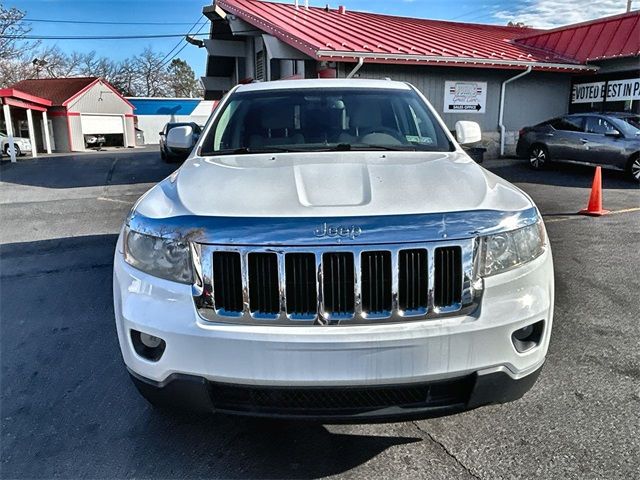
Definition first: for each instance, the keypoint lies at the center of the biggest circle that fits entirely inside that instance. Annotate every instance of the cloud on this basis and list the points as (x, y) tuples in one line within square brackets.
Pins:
[(555, 13)]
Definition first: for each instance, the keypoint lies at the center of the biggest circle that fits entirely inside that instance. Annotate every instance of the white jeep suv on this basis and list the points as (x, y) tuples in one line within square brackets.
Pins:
[(328, 251)]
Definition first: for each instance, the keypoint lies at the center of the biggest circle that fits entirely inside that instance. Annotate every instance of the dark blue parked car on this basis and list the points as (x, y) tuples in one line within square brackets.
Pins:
[(611, 140)]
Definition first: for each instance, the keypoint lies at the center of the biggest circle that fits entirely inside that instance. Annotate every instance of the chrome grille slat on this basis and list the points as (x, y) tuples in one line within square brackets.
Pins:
[(263, 283), (335, 285), (226, 276), (414, 295), (338, 285), (375, 274), (300, 290), (448, 286)]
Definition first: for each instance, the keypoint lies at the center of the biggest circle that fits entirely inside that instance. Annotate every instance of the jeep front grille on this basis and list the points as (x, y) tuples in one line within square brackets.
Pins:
[(338, 284), (448, 278), (413, 279), (334, 285), (376, 282), (263, 283), (301, 291), (228, 280)]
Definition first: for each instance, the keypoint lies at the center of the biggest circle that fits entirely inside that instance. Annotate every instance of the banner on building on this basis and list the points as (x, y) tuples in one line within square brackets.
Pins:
[(616, 91), (465, 97)]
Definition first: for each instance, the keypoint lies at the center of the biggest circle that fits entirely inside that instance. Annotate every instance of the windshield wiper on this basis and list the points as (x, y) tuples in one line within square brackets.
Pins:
[(248, 151), (393, 148)]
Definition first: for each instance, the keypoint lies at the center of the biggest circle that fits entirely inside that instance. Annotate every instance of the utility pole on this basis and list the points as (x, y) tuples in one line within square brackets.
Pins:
[(629, 5)]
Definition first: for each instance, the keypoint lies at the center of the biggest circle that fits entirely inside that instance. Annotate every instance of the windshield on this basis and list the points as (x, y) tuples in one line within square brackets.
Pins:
[(325, 119), (630, 124)]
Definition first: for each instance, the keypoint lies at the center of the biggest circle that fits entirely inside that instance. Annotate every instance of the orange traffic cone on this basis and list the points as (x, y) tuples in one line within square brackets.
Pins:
[(595, 200)]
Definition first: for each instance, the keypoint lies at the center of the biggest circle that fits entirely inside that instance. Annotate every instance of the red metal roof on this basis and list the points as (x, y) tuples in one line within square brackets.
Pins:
[(61, 91), (58, 90), (609, 37), (332, 35)]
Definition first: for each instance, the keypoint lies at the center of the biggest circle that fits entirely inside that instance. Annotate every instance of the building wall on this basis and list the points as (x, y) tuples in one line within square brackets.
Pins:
[(75, 133), (60, 130), (154, 113), (528, 100), (100, 99)]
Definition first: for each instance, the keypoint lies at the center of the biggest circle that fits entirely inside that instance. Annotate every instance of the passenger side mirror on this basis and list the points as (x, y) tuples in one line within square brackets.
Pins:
[(181, 138), (613, 133), (468, 132)]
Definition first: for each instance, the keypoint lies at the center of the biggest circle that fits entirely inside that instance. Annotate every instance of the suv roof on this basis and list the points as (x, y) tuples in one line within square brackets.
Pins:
[(323, 83)]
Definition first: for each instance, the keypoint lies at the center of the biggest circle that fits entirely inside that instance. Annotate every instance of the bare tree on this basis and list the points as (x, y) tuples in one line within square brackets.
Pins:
[(152, 76), (12, 32), (124, 78)]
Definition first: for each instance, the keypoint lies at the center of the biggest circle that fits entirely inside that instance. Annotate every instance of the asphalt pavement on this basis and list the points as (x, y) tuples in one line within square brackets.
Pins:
[(69, 410)]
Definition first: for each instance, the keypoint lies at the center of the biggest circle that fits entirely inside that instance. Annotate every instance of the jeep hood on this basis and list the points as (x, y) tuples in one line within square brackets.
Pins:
[(330, 184)]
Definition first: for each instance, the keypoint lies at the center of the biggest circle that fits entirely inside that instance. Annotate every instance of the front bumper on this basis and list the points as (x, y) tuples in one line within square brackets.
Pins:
[(337, 404), (472, 348)]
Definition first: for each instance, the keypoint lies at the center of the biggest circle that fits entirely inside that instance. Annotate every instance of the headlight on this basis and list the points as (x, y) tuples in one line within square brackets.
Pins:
[(159, 257), (503, 251)]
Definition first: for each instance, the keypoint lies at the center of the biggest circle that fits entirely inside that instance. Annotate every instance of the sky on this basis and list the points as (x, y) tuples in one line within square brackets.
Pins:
[(183, 14)]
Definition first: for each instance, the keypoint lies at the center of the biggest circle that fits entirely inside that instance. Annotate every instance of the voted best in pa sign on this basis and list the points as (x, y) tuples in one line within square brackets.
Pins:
[(465, 97)]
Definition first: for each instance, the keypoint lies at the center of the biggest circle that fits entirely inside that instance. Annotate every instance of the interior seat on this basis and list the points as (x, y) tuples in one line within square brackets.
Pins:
[(277, 128)]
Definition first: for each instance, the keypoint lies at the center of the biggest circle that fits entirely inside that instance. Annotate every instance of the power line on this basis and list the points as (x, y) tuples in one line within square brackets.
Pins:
[(176, 54), (100, 37), (468, 13), (89, 22), (180, 41)]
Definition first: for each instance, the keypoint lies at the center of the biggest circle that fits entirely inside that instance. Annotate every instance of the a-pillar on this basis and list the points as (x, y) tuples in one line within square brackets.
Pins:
[(32, 135), (9, 125)]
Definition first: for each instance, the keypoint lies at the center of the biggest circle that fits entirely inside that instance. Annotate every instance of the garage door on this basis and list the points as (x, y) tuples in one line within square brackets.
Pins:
[(104, 124)]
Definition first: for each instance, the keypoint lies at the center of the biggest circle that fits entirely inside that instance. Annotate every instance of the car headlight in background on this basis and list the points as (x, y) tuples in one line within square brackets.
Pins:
[(160, 257), (504, 251)]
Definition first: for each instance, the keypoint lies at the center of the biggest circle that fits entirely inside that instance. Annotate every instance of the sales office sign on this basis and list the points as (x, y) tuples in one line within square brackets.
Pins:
[(465, 97), (616, 90)]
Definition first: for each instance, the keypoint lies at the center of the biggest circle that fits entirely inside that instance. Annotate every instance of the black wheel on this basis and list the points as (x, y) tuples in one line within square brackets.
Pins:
[(163, 155), (538, 157), (17, 150), (633, 168)]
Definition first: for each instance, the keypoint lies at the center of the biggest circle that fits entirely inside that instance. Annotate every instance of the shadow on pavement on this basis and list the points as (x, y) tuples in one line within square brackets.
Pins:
[(559, 174), (88, 170), (69, 409)]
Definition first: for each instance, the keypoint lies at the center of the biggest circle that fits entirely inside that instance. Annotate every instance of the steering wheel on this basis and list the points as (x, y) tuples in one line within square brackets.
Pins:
[(386, 131)]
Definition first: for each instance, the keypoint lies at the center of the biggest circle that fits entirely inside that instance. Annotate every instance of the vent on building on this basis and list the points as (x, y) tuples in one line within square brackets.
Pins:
[(260, 65)]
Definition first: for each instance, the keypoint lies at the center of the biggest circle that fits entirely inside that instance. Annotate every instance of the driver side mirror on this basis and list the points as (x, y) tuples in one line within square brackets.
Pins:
[(181, 138), (468, 132)]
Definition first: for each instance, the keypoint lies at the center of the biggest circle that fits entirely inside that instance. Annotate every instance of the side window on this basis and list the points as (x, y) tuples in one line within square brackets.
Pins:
[(598, 125), (568, 124)]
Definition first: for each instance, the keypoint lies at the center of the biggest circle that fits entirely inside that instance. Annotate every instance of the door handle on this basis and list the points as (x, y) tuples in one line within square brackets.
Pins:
[(584, 140)]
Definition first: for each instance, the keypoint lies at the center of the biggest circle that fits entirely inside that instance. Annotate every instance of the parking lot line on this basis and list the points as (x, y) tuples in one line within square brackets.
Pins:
[(577, 217), (106, 199)]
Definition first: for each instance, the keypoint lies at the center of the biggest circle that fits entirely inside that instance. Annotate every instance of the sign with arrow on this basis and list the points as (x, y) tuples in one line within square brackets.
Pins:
[(465, 97)]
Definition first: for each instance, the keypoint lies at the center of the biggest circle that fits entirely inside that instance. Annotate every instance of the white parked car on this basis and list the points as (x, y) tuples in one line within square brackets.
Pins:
[(329, 251), (22, 145)]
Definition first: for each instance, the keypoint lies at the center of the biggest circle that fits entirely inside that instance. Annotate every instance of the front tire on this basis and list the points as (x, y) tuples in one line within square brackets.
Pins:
[(17, 150), (633, 168), (538, 157)]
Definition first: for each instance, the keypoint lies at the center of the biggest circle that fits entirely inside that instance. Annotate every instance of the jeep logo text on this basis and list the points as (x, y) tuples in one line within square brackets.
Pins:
[(341, 231)]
